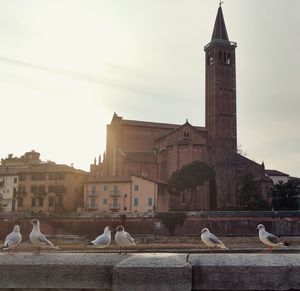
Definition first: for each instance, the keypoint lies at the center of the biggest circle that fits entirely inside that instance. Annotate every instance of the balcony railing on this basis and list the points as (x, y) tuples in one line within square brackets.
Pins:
[(92, 206), (114, 193), (92, 194), (114, 206)]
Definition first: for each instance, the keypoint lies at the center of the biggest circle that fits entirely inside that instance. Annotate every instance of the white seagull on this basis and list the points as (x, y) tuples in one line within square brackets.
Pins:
[(211, 240), (38, 239), (269, 239), (123, 238), (104, 239), (13, 239)]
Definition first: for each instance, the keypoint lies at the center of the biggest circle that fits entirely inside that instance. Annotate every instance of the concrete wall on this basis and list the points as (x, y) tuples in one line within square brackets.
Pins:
[(150, 272)]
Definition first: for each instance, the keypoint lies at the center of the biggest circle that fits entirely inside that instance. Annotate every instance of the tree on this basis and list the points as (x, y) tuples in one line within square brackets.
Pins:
[(250, 197), (283, 196), (189, 178)]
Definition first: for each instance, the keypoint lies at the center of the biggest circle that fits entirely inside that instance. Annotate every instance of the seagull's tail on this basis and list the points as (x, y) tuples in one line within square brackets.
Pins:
[(55, 247), (222, 246), (285, 244)]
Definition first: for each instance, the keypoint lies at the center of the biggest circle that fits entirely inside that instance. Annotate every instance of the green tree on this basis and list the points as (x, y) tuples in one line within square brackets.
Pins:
[(189, 178), (283, 196), (249, 194)]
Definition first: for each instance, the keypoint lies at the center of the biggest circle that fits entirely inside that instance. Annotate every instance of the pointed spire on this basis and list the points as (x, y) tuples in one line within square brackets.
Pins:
[(220, 32)]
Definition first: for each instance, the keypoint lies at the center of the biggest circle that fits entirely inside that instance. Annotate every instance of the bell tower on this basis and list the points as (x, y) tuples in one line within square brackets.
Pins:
[(220, 111), (220, 92)]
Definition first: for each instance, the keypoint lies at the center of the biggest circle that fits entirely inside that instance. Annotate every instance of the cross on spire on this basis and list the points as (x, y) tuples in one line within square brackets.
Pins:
[(221, 2)]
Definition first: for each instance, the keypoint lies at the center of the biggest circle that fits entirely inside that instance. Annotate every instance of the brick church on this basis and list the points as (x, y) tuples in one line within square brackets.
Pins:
[(155, 150)]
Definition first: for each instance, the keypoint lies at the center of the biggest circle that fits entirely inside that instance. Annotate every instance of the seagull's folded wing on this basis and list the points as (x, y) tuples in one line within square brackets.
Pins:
[(273, 239), (214, 239), (101, 240)]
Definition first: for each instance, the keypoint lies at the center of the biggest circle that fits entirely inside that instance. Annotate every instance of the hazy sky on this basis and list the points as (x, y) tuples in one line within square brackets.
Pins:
[(67, 65)]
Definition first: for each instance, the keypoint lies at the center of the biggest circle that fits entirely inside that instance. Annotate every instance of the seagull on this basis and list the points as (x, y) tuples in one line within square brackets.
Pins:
[(123, 238), (38, 239), (211, 240), (269, 239), (104, 239), (13, 239)]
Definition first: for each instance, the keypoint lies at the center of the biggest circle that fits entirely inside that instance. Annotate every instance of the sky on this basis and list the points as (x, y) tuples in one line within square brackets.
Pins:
[(67, 65)]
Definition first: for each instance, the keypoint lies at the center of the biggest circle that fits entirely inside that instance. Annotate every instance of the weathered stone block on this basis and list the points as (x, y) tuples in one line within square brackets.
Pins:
[(246, 271), (153, 272)]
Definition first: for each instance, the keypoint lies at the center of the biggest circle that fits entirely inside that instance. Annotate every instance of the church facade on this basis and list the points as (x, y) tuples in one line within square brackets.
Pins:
[(155, 150)]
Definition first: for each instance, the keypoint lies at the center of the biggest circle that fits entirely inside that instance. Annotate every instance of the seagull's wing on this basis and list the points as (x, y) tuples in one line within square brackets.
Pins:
[(101, 240), (44, 240), (7, 239), (129, 238), (273, 239), (214, 239), (12, 239)]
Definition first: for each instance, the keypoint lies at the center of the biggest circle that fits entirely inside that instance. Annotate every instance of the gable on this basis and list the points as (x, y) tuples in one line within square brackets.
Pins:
[(185, 134)]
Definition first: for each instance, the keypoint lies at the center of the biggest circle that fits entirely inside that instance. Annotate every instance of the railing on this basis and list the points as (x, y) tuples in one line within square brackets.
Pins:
[(115, 193), (92, 206), (92, 194), (114, 206)]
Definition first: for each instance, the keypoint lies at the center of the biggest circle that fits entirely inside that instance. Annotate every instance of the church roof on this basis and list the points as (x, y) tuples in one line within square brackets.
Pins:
[(198, 128), (142, 123), (275, 173), (220, 31)]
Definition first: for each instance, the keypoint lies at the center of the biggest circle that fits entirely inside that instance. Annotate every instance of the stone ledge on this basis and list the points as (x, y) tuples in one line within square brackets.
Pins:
[(99, 271), (246, 271), (58, 270), (152, 272)]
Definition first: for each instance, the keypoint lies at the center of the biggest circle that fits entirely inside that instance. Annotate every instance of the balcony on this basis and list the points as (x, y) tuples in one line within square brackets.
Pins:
[(114, 193), (92, 194), (114, 207), (92, 206)]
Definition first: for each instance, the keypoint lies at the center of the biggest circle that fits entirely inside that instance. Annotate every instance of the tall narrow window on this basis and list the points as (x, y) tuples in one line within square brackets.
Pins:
[(136, 201), (183, 197)]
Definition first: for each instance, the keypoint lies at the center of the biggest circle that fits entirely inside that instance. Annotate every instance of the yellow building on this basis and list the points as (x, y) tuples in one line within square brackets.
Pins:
[(132, 194), (45, 186)]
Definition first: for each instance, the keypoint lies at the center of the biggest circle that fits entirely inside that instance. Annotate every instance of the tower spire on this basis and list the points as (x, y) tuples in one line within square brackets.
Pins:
[(220, 31)]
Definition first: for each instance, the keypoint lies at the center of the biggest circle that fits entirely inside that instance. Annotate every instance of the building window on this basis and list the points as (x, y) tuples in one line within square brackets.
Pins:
[(56, 176), (150, 201), (38, 177), (41, 202), (20, 202), (136, 201), (93, 189), (22, 177), (15, 180), (38, 189), (32, 202), (51, 201), (104, 201), (136, 188), (186, 134), (105, 188), (183, 197)]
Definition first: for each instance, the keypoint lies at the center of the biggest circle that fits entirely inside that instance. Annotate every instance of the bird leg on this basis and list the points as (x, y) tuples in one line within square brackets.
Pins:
[(120, 252), (270, 249), (125, 250)]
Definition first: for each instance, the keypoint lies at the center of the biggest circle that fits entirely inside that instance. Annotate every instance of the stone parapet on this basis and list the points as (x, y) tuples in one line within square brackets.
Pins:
[(147, 272)]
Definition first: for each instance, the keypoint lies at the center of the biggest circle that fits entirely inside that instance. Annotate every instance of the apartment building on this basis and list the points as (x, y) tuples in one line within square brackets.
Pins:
[(8, 189), (121, 195), (45, 186)]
